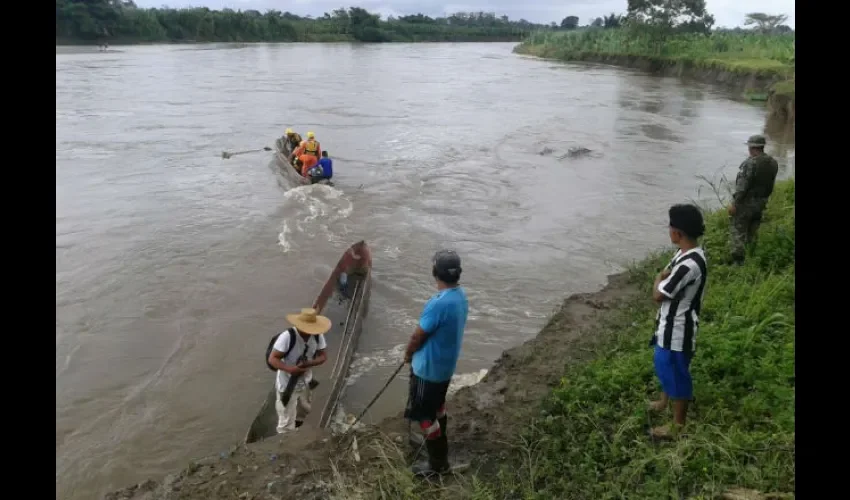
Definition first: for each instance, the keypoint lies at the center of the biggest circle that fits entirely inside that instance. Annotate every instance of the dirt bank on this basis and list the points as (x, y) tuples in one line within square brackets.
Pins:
[(738, 78), (782, 102), (779, 85), (482, 418)]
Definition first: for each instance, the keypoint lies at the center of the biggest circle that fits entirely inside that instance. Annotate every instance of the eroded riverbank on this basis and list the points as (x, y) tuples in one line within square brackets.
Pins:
[(481, 419), (172, 274), (746, 73), (564, 415)]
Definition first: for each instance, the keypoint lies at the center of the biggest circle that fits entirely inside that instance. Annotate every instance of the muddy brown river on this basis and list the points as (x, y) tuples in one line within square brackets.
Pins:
[(174, 267)]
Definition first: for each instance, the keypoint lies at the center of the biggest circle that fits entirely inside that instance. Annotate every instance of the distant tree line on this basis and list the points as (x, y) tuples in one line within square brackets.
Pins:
[(688, 16), (121, 21)]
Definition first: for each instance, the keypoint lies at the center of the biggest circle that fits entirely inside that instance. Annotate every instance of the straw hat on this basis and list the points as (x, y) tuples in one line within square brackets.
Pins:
[(307, 321)]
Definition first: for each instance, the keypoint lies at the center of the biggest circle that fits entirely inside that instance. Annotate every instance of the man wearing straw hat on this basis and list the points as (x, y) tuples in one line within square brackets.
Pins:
[(308, 329)]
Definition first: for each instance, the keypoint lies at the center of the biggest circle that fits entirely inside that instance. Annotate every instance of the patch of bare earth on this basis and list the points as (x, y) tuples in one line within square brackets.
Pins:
[(483, 420)]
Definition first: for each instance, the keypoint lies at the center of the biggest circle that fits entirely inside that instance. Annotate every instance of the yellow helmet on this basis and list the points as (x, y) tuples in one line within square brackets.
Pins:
[(311, 135), (289, 131)]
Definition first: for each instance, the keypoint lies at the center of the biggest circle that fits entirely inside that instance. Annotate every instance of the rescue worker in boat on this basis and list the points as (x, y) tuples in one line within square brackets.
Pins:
[(308, 351), (309, 147), (293, 138), (306, 162), (322, 171), (433, 351)]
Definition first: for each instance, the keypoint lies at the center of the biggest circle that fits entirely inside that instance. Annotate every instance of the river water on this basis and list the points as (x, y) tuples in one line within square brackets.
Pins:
[(174, 266)]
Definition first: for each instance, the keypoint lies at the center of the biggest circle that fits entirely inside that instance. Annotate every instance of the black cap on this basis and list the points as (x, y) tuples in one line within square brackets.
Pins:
[(447, 265)]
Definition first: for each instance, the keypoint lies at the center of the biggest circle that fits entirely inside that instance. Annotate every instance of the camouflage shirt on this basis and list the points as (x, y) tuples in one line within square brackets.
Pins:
[(756, 178)]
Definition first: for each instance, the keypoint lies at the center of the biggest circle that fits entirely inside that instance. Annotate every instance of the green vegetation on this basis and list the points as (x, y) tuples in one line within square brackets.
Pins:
[(591, 437), (592, 441), (785, 88), (741, 52), (676, 34), (117, 21)]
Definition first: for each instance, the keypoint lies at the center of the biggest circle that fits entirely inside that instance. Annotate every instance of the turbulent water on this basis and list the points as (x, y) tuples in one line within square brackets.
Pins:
[(174, 266)]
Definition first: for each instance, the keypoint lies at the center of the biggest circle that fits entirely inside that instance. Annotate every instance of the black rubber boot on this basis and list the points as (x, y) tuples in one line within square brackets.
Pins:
[(438, 458)]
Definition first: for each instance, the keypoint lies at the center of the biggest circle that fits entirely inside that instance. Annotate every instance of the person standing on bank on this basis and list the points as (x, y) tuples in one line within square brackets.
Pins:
[(753, 186), (433, 352), (679, 289), (308, 329)]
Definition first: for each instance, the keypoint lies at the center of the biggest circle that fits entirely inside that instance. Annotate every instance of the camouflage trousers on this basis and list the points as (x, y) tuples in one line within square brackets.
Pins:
[(744, 227)]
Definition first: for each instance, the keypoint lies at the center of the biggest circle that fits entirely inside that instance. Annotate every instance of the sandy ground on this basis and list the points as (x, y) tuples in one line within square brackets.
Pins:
[(481, 419)]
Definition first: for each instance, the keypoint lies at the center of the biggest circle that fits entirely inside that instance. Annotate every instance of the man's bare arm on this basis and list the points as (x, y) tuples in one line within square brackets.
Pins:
[(416, 341), (276, 360)]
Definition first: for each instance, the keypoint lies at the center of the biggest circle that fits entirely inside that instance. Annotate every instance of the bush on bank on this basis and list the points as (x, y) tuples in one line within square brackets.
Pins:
[(105, 21), (591, 437), (734, 52)]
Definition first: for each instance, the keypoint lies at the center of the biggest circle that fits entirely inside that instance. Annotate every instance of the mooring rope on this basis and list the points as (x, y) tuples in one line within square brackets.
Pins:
[(396, 372)]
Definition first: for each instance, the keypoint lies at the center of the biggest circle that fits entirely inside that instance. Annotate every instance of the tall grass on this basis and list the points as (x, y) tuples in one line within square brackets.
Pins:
[(745, 50), (591, 438)]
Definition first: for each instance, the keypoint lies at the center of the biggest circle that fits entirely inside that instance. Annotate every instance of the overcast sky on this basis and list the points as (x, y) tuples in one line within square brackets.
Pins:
[(728, 13)]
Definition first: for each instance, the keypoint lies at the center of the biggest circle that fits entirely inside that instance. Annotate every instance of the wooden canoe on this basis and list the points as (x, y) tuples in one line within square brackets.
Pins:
[(347, 311), (282, 152)]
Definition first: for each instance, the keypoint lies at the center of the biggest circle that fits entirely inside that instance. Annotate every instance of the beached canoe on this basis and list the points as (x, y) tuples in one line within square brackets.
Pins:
[(282, 152), (346, 307)]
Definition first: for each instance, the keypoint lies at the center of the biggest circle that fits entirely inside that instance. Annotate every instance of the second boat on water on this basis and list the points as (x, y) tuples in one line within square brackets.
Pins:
[(350, 282)]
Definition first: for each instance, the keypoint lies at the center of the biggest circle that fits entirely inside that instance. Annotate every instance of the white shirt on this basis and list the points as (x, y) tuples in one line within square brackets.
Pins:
[(678, 317), (316, 342)]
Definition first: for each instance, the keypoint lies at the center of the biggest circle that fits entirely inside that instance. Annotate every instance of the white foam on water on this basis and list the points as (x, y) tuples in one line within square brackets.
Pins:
[(459, 381), (363, 363), (341, 421), (314, 210), (282, 237)]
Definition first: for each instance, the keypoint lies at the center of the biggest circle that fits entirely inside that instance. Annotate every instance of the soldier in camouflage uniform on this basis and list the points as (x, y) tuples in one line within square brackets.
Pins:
[(753, 187)]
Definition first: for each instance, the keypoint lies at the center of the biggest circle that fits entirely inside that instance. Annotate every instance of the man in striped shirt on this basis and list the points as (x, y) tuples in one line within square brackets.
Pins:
[(679, 289)]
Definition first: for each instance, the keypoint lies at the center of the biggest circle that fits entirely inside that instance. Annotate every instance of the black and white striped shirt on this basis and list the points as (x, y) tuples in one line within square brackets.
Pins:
[(678, 317)]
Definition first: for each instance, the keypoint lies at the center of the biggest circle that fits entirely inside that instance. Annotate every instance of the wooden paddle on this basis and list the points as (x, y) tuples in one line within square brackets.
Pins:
[(226, 155)]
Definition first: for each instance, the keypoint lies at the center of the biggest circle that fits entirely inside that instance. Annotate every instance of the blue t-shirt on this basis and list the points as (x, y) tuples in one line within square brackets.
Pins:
[(443, 320), (327, 167)]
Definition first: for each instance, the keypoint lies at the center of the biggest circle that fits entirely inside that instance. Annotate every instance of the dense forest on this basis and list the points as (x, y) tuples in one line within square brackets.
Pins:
[(119, 21)]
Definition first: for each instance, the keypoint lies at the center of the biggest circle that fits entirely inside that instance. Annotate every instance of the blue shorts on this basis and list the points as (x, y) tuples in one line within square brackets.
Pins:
[(672, 369)]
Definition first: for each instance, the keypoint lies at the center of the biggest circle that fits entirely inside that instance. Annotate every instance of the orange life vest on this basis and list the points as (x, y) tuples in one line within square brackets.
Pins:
[(311, 147)]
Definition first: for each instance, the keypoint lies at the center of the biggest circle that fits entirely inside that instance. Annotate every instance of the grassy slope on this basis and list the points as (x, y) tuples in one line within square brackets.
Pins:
[(590, 440), (761, 55), (593, 436)]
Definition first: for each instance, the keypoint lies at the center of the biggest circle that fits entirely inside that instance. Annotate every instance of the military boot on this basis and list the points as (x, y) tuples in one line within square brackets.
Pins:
[(438, 458)]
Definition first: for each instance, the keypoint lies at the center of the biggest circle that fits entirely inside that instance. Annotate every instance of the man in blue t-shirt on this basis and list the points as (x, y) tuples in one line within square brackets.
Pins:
[(433, 351)]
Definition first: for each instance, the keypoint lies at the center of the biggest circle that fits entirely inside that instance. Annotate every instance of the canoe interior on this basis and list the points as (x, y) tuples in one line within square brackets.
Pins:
[(346, 313)]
